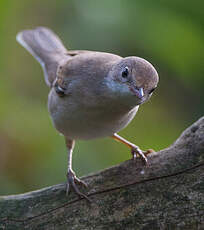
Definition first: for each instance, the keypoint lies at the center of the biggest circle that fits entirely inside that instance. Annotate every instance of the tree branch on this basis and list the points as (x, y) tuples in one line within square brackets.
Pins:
[(167, 194)]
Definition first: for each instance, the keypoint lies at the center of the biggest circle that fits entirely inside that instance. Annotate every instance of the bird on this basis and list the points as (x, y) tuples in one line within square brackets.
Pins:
[(92, 94)]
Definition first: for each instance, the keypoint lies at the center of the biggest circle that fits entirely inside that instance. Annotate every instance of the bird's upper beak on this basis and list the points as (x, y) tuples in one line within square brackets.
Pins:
[(139, 92)]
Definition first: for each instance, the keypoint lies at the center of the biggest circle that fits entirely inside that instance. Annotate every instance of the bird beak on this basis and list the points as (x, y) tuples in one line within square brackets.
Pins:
[(139, 92)]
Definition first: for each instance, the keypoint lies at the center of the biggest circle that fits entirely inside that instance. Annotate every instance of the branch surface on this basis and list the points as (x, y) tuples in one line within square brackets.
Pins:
[(167, 194)]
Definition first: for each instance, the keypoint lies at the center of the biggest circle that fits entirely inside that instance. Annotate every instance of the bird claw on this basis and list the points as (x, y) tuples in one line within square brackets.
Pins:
[(71, 179), (136, 151), (80, 182)]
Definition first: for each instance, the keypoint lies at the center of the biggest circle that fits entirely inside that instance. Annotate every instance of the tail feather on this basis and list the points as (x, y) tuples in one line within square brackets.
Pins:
[(46, 47)]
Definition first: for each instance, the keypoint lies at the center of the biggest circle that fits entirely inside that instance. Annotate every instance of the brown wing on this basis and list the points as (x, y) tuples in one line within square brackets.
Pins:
[(78, 52)]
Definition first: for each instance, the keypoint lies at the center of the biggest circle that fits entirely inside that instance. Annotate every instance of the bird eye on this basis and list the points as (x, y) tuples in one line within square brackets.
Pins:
[(125, 72), (152, 90), (60, 91)]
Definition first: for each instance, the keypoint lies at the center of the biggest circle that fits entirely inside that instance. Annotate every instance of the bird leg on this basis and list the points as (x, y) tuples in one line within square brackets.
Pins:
[(135, 150), (71, 177)]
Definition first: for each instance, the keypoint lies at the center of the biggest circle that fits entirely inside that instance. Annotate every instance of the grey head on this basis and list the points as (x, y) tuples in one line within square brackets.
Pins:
[(133, 79)]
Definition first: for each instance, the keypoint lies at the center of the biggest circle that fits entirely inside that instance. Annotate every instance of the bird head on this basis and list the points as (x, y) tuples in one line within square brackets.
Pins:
[(133, 79)]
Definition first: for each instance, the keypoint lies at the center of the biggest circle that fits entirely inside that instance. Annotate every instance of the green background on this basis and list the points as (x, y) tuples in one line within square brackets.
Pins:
[(168, 33)]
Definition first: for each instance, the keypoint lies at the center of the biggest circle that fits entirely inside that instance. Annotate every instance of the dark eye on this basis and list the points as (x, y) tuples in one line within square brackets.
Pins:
[(60, 91), (125, 72), (152, 90)]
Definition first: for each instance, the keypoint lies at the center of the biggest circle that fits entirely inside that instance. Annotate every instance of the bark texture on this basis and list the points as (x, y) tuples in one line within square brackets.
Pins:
[(167, 194)]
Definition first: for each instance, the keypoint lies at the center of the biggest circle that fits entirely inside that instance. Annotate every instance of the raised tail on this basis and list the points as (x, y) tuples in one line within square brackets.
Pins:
[(46, 47)]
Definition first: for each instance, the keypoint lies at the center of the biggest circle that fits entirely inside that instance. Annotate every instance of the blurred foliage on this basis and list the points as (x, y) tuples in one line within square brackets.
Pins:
[(167, 33)]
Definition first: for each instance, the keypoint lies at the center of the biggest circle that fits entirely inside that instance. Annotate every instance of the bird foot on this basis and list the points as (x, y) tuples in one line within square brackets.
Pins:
[(136, 151), (71, 180)]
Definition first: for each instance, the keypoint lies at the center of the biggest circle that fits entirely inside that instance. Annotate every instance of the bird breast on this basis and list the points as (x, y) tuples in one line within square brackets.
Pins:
[(77, 120)]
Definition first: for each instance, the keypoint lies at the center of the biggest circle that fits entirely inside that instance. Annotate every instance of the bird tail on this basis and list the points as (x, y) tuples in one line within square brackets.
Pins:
[(46, 47)]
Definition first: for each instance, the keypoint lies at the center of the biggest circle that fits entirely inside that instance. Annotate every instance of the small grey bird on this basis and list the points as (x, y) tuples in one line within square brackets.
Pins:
[(92, 94)]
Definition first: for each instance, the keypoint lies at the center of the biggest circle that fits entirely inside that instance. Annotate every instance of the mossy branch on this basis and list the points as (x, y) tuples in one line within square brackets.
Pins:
[(167, 194)]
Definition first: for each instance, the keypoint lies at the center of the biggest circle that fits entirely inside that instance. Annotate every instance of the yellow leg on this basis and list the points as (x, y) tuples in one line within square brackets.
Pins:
[(71, 177), (134, 148)]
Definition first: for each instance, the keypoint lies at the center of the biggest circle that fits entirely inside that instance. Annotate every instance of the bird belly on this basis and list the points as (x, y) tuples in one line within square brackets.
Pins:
[(81, 126), (76, 122)]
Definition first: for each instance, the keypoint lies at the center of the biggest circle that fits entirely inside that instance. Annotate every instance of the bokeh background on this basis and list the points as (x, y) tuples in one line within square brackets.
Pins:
[(167, 33)]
